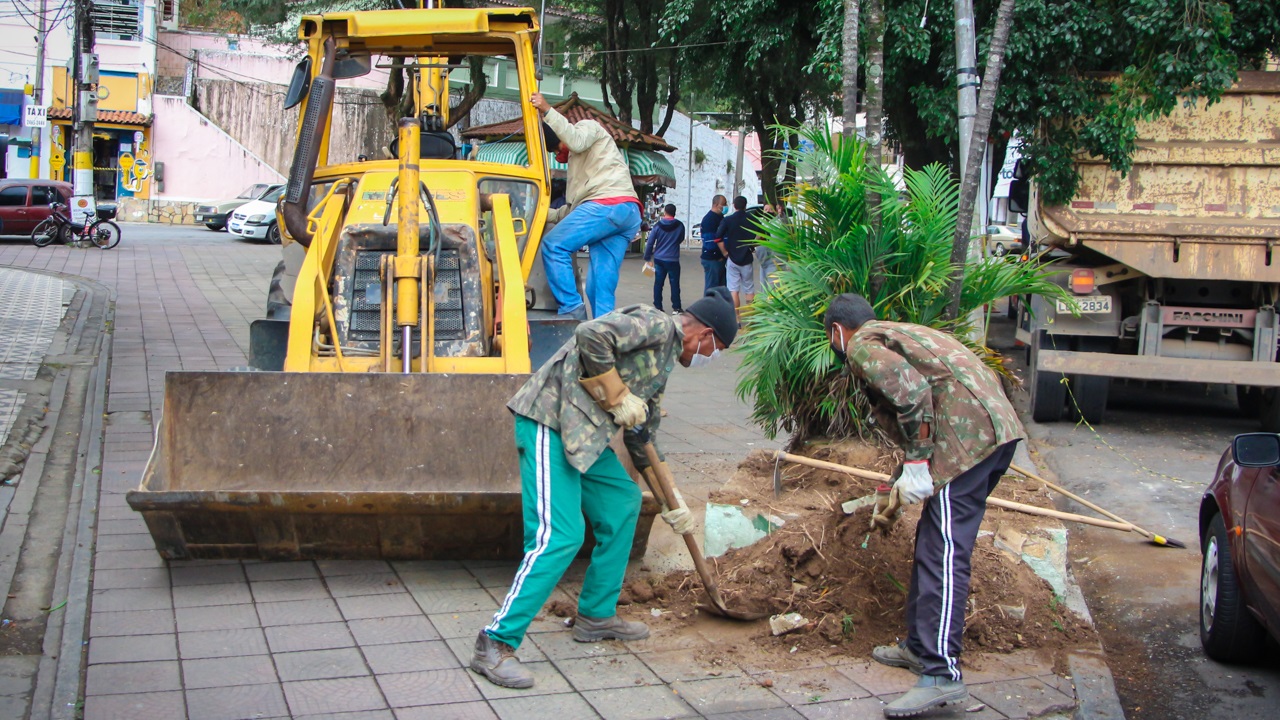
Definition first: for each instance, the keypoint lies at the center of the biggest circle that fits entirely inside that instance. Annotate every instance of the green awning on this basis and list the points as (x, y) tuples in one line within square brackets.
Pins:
[(650, 168), (512, 153)]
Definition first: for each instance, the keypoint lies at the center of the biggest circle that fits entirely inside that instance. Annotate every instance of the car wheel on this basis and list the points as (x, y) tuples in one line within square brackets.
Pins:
[(273, 234), (215, 227), (999, 250), (1228, 632)]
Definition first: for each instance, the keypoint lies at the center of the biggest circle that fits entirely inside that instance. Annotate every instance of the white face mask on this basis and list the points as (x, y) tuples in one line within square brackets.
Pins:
[(699, 360)]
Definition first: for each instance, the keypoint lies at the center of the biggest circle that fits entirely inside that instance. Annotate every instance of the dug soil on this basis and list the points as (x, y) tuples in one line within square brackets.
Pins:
[(851, 584)]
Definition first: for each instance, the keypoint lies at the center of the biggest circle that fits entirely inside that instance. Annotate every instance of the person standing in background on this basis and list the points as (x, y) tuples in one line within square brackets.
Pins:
[(663, 251), (764, 257), (736, 242), (713, 272)]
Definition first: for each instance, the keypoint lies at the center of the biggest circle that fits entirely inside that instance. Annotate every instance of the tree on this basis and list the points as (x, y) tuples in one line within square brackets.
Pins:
[(849, 61), (1078, 74), (970, 184), (628, 52), (774, 61)]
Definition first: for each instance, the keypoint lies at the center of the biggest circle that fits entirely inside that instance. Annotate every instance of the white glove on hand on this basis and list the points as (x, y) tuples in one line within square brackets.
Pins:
[(679, 517), (630, 412), (915, 484)]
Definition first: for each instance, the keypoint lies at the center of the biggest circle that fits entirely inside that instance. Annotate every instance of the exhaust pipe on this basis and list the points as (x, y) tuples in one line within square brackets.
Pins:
[(315, 121)]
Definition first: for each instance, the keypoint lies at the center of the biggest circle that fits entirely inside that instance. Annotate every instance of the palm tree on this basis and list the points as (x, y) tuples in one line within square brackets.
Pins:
[(830, 246)]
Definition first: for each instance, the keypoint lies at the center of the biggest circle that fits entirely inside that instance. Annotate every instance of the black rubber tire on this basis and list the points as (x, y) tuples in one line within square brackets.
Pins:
[(215, 227), (105, 234), (1233, 634), (1269, 410), (45, 232), (1249, 399), (1090, 391), (999, 250), (1048, 394), (273, 234)]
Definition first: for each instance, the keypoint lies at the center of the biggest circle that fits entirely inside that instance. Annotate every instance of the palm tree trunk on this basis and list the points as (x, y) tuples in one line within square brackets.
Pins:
[(849, 62), (875, 81), (971, 181)]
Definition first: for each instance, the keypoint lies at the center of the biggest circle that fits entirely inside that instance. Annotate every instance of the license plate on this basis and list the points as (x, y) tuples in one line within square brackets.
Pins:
[(1090, 305)]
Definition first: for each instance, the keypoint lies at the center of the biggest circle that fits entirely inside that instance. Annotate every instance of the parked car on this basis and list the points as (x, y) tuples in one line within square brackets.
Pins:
[(24, 203), (1240, 550), (1002, 240), (257, 219), (215, 215)]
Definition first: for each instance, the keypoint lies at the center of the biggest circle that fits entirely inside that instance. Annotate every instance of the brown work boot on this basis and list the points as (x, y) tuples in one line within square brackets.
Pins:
[(898, 656), (586, 629), (497, 661)]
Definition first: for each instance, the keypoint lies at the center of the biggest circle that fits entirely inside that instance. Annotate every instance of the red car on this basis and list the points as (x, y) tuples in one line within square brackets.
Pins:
[(24, 203), (1240, 544)]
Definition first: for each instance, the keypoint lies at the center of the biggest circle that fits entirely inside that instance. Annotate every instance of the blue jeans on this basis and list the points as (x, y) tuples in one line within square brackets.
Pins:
[(607, 230), (713, 274), (664, 269)]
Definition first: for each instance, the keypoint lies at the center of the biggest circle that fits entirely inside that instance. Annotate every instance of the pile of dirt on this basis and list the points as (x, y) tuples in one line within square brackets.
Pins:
[(851, 584)]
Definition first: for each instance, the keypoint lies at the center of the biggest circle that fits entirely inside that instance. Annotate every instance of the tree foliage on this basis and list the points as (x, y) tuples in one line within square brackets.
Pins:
[(1078, 73), (759, 58), (831, 247)]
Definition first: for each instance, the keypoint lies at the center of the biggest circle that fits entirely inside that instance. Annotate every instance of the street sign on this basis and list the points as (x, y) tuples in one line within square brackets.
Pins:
[(35, 116)]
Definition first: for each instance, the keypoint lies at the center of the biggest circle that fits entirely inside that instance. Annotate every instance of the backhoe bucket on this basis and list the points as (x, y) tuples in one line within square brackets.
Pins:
[(282, 466)]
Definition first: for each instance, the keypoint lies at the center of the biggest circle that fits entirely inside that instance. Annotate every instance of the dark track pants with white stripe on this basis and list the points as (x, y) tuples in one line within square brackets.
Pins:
[(555, 496), (945, 537)]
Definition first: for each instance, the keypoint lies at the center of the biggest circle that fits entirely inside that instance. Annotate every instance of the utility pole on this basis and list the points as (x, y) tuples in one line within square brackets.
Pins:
[(85, 71), (737, 167), (37, 94)]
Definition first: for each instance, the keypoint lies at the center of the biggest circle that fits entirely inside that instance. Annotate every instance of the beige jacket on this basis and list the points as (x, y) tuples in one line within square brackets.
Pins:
[(597, 168)]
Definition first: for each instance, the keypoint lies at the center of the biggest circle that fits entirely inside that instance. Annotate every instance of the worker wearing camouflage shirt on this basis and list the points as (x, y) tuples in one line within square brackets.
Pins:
[(611, 375), (959, 433)]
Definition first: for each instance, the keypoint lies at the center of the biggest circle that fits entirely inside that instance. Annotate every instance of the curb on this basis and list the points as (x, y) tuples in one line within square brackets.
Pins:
[(57, 689), (1096, 697)]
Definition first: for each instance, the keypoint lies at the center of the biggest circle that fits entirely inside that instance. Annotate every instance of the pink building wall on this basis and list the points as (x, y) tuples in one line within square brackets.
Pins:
[(201, 162)]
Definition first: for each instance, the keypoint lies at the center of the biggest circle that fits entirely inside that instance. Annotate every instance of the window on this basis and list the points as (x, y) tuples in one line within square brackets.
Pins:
[(13, 196), (117, 19), (43, 196)]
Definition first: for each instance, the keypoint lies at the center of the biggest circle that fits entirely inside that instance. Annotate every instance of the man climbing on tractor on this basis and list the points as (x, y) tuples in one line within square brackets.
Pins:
[(601, 212), (959, 433), (610, 375)]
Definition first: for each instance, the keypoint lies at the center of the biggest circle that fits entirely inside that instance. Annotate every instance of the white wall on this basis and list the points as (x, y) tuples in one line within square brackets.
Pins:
[(693, 192)]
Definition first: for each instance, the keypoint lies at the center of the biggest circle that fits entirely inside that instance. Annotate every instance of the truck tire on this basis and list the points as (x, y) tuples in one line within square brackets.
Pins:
[(1090, 391), (1249, 399), (1269, 412), (1048, 394)]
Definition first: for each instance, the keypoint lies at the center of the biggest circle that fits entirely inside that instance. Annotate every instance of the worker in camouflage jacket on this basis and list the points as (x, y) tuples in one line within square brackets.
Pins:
[(959, 433), (611, 375)]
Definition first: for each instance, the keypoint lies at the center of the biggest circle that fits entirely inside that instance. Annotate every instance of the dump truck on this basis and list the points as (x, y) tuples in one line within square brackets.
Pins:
[(373, 421), (1173, 267)]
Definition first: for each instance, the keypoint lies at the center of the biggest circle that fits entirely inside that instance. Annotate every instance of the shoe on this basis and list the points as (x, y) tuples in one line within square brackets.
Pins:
[(898, 656), (677, 311), (930, 692), (497, 662), (579, 313), (586, 629)]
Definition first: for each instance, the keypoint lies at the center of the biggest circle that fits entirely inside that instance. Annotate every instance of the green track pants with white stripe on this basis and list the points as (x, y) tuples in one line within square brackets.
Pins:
[(556, 496)]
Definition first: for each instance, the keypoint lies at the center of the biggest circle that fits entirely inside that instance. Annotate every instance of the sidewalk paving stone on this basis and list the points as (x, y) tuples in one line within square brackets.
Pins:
[(545, 707), (362, 607), (614, 671), (391, 630), (238, 703), (189, 596), (319, 636), (135, 705), (320, 664), (139, 677), (269, 591), (131, 622), (298, 612), (458, 711), (333, 696), (639, 703), (228, 672), (132, 648), (220, 617), (1027, 697), (266, 572), (409, 657), (221, 643), (815, 685), (721, 695)]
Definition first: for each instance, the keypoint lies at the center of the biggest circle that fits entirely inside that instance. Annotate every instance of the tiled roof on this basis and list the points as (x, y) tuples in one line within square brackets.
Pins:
[(574, 110), (119, 117)]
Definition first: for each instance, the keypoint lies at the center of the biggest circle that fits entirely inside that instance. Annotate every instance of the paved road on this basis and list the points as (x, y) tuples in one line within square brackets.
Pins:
[(1150, 462)]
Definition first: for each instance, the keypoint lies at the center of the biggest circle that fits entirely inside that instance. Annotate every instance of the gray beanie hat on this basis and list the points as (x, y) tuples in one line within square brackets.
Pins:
[(715, 310)]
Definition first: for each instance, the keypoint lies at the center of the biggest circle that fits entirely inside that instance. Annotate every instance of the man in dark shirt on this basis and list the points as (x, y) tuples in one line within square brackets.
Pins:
[(663, 250), (712, 260), (735, 241)]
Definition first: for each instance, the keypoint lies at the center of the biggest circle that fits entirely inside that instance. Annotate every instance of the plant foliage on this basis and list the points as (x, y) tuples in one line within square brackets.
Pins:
[(830, 247)]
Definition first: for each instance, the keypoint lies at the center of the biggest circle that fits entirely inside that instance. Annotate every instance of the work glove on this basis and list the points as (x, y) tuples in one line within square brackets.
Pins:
[(915, 483), (612, 395), (679, 517)]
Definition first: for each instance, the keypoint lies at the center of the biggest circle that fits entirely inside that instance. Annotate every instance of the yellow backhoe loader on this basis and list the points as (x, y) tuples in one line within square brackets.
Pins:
[(374, 422)]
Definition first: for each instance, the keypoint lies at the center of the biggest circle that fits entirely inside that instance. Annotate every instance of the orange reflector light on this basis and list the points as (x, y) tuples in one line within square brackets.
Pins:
[(1082, 281)]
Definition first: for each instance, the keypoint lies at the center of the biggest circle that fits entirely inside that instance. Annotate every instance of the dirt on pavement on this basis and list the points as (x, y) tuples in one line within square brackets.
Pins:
[(850, 584)]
